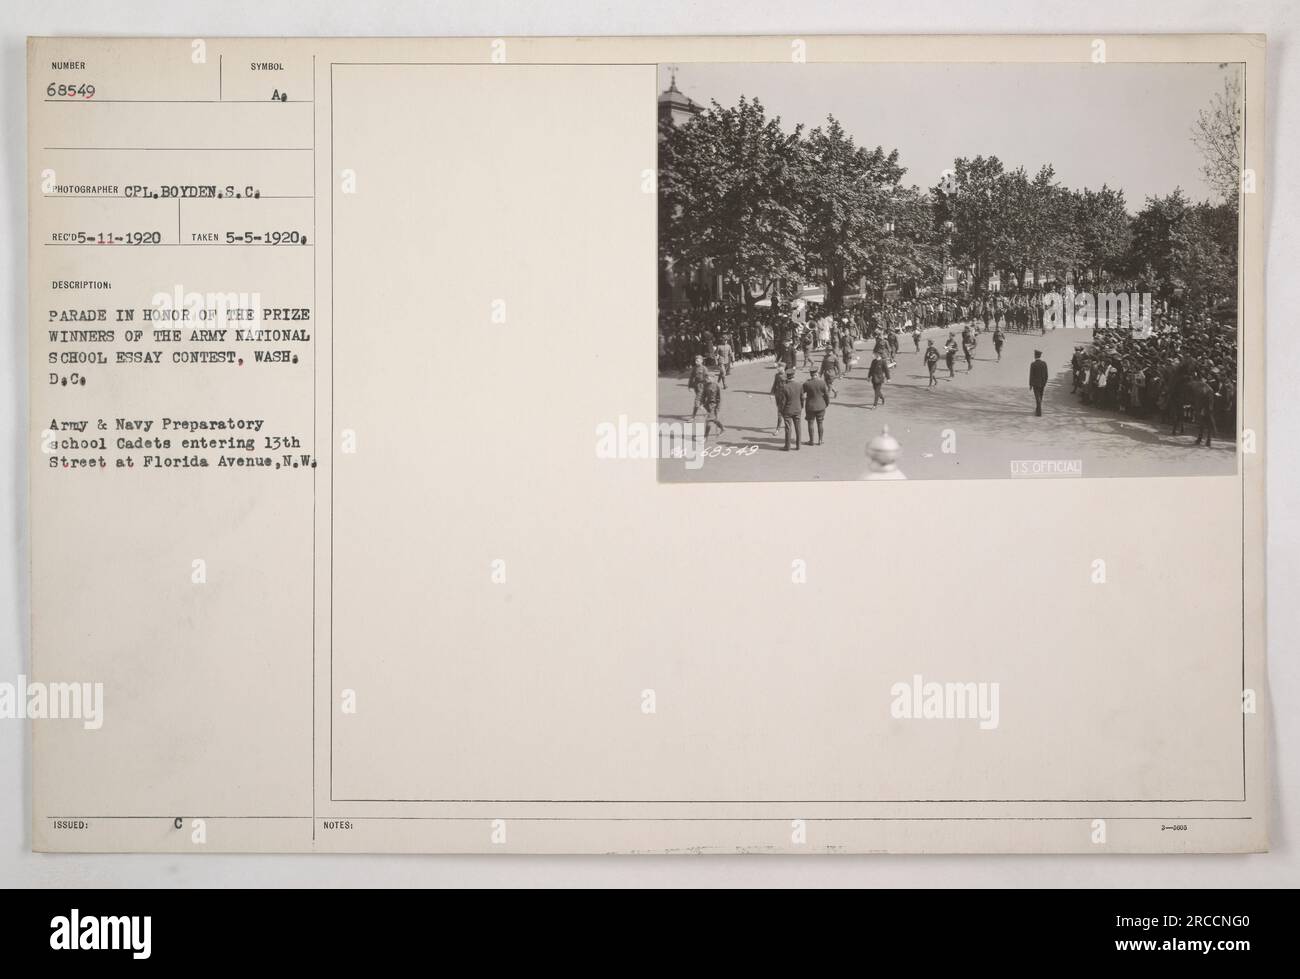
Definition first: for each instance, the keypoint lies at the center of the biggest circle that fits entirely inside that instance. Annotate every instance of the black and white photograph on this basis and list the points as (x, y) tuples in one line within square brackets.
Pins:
[(947, 271), (274, 623)]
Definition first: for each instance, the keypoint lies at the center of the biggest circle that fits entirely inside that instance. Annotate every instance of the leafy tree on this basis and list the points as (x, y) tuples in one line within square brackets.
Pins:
[(913, 251), (770, 210), (1204, 255), (1102, 223), (1057, 241), (971, 198), (861, 220), (847, 206), (1155, 229), (1187, 248), (731, 197), (1217, 134)]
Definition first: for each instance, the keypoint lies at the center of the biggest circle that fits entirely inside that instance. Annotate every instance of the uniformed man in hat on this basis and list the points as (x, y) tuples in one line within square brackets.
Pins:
[(712, 399), (1038, 380), (790, 401), (696, 383), (816, 399), (878, 372), (931, 362), (830, 368)]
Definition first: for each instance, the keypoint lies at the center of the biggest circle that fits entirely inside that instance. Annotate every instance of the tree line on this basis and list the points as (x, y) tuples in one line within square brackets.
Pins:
[(771, 209)]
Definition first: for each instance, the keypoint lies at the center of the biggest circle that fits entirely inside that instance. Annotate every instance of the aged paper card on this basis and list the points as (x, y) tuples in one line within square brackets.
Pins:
[(827, 444)]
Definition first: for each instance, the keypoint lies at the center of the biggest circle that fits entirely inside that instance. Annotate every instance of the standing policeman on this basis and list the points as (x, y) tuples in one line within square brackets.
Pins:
[(1038, 380), (816, 399), (790, 401)]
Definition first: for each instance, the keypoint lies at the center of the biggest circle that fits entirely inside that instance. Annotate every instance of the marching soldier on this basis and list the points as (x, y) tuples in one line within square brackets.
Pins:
[(847, 352), (712, 397), (931, 362), (878, 372), (698, 375), (830, 369), (726, 357)]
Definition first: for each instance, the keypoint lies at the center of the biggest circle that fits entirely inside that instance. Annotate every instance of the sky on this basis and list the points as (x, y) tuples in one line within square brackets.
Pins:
[(1125, 125)]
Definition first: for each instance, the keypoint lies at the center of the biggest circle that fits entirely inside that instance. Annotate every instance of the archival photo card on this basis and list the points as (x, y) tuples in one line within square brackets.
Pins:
[(949, 271), (857, 445)]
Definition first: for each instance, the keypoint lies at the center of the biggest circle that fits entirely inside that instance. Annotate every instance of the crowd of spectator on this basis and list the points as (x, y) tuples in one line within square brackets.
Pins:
[(1152, 375)]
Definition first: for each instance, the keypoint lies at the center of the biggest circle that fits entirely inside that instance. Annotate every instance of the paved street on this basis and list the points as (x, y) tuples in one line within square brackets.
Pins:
[(989, 410)]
